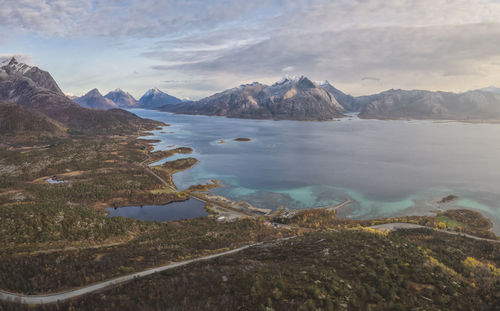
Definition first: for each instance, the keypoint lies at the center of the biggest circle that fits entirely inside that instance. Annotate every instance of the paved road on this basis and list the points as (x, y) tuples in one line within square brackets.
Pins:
[(61, 296), (401, 225), (333, 208), (149, 170)]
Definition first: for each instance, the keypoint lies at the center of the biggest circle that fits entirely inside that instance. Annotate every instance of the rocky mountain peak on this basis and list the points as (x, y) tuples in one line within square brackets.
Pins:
[(94, 92), (94, 99), (13, 61), (155, 98), (121, 98)]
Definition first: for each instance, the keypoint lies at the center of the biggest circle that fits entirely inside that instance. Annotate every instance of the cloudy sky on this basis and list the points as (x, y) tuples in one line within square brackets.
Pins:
[(191, 49)]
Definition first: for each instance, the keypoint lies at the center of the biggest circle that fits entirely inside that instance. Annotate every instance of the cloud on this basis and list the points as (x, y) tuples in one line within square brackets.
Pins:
[(396, 54), (221, 43), (370, 79), (133, 18)]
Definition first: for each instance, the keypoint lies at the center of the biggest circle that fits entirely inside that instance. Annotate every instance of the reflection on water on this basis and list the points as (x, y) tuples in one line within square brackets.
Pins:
[(388, 167), (191, 208)]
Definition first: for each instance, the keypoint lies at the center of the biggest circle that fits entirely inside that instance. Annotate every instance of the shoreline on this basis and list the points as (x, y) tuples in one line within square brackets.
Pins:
[(218, 206), (496, 224)]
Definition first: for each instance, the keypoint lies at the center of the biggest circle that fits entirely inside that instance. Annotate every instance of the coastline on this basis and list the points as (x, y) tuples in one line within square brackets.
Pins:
[(257, 145), (218, 206)]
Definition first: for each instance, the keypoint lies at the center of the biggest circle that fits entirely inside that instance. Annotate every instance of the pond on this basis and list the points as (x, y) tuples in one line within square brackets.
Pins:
[(191, 208)]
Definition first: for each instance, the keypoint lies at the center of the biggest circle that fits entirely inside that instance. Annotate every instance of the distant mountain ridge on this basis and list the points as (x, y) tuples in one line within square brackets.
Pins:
[(94, 100), (291, 98), (122, 99), (419, 104), (154, 98)]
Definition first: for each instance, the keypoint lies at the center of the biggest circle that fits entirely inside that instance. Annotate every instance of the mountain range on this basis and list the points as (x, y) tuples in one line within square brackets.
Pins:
[(122, 99), (152, 99), (422, 105), (291, 98), (38, 93), (94, 100), (294, 98)]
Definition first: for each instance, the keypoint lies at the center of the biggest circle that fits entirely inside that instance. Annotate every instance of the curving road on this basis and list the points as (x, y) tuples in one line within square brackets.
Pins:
[(61, 296), (402, 225), (229, 211)]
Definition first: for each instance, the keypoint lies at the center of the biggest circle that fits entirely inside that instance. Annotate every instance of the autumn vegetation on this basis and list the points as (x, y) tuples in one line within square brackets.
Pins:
[(55, 237)]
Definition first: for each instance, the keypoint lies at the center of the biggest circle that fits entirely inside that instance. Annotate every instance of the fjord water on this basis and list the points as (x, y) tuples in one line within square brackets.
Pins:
[(390, 168)]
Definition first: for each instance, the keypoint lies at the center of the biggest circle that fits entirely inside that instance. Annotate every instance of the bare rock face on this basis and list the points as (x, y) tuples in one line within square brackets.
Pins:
[(94, 100), (287, 99), (122, 99)]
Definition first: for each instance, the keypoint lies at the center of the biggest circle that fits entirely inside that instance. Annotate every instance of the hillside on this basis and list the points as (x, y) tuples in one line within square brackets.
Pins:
[(18, 124), (287, 99)]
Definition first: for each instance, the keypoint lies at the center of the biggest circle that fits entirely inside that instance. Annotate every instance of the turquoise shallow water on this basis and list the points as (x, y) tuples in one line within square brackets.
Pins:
[(389, 168)]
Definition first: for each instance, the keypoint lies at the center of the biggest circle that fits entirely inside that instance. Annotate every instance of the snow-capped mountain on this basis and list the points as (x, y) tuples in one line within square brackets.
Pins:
[(154, 98), (11, 67)]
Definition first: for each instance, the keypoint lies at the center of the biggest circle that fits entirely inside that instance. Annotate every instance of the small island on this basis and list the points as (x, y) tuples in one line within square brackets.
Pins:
[(242, 139), (448, 198)]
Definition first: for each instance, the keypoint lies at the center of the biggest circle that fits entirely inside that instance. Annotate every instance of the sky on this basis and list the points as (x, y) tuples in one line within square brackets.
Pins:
[(191, 49)]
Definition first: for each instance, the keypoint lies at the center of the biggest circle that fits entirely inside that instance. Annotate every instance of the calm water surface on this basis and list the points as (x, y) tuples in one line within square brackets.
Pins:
[(174, 211), (389, 168)]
